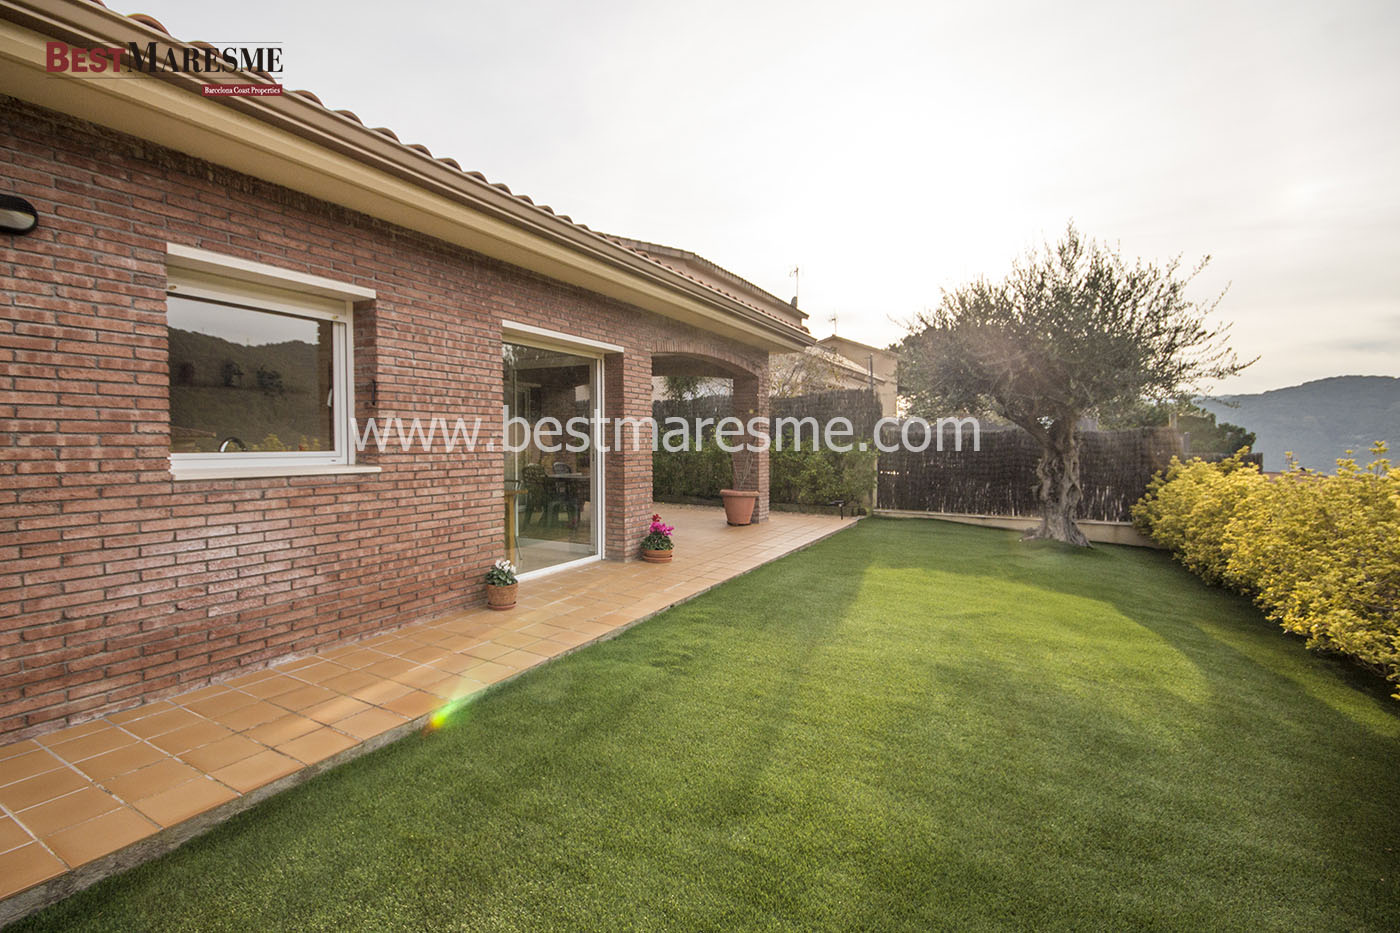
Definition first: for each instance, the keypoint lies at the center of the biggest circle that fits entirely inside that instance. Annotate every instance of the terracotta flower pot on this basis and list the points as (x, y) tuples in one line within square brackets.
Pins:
[(657, 557), (739, 505), (501, 597)]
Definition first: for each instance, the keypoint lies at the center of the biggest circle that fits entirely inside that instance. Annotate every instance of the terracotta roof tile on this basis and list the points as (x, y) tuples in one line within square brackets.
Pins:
[(149, 21)]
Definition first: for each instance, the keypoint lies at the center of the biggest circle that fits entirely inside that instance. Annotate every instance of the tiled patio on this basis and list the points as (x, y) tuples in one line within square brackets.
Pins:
[(92, 799)]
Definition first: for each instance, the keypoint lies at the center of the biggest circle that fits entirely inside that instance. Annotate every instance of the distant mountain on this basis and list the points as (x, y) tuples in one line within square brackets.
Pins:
[(1319, 421)]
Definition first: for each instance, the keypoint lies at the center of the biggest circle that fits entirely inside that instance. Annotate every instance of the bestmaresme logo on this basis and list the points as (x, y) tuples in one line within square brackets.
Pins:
[(155, 58)]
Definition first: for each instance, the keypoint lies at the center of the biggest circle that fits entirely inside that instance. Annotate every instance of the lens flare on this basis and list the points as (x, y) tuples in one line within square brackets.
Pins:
[(444, 714)]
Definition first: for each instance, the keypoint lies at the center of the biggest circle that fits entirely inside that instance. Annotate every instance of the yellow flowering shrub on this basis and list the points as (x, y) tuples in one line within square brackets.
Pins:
[(1188, 509), (1319, 553)]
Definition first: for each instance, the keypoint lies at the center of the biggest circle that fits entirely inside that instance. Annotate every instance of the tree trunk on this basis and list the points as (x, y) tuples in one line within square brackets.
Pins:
[(1060, 492)]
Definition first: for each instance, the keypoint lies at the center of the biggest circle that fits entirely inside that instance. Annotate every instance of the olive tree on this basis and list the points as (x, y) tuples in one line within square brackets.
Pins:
[(1072, 331)]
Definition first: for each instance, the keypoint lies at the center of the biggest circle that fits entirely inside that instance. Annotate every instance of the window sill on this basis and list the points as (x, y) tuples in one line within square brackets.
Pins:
[(185, 473)]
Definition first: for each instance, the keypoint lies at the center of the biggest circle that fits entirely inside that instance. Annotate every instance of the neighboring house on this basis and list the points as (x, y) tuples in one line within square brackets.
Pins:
[(219, 293), (700, 269), (864, 365), (838, 363), (867, 366)]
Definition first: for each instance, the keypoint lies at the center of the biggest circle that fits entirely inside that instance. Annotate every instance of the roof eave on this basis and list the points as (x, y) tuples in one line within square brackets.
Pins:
[(540, 238)]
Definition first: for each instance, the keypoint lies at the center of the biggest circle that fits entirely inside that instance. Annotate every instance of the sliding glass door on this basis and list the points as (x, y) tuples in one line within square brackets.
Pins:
[(551, 466)]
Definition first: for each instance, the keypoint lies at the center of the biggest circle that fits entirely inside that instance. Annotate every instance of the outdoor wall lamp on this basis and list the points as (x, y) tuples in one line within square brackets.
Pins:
[(17, 215)]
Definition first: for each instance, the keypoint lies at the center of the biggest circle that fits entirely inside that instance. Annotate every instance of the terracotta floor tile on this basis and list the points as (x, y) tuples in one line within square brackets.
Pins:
[(203, 693), (361, 657), (568, 624), (69, 810), (252, 677), (183, 801), (489, 672), (282, 730), (30, 792), (390, 667), (246, 717), (414, 704), (12, 835), (72, 732), (542, 629), (420, 677), (94, 743), (291, 667), (321, 672), (570, 639), (18, 748), (192, 736), (35, 761), (350, 682), (335, 709), (392, 646), (140, 712), (151, 780), (381, 691), (425, 654), (221, 704), (121, 761), (416, 634), (222, 753), (369, 723), (316, 746), (162, 722), (456, 663), (271, 687), (595, 629), (98, 837), (470, 628), (307, 695), (489, 651), (454, 687), (25, 867), (262, 768), (522, 659), (455, 644)]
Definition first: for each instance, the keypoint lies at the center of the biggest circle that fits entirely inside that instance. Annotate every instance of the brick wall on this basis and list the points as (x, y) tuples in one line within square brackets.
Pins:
[(118, 584)]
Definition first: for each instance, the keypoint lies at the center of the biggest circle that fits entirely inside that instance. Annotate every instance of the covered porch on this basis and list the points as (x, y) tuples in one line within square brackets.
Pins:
[(93, 799)]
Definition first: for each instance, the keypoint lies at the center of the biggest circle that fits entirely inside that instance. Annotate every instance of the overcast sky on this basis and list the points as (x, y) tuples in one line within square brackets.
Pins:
[(893, 150)]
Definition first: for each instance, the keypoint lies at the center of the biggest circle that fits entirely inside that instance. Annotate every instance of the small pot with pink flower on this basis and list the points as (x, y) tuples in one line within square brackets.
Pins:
[(657, 546)]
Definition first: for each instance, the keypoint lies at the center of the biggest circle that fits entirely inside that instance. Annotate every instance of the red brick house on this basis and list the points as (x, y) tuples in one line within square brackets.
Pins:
[(219, 292)]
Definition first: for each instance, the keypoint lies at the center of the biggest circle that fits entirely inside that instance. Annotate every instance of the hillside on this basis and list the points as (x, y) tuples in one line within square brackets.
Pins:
[(266, 395), (1318, 420)]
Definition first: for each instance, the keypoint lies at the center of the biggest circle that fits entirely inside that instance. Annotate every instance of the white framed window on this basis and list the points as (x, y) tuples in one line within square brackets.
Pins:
[(261, 368)]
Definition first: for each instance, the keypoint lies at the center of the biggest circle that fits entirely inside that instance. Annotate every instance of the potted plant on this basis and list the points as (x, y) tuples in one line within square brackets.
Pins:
[(501, 585), (739, 503), (657, 546)]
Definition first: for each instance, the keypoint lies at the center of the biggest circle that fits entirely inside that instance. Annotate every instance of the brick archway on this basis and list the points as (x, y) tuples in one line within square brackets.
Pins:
[(750, 400)]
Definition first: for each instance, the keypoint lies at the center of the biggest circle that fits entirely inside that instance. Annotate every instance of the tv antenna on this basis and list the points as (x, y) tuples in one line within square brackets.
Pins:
[(796, 274)]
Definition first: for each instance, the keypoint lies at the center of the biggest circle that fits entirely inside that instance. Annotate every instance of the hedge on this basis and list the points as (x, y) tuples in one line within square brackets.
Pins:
[(1319, 553), (800, 477)]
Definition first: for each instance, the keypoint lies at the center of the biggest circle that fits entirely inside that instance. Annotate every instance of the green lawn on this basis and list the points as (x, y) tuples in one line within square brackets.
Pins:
[(909, 726)]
